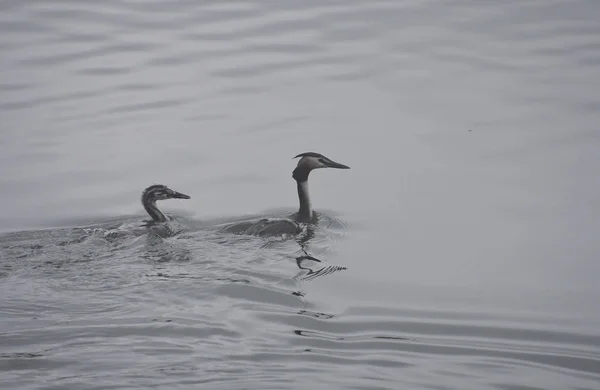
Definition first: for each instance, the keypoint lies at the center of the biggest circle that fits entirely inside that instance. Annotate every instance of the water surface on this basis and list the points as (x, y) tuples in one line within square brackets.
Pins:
[(459, 252)]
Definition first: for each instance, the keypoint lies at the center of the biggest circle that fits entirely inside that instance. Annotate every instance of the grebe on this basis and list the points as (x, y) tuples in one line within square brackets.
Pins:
[(159, 192), (149, 197), (306, 164), (293, 225)]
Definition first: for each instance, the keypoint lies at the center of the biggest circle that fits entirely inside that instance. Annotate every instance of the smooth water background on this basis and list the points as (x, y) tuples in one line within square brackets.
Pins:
[(468, 223)]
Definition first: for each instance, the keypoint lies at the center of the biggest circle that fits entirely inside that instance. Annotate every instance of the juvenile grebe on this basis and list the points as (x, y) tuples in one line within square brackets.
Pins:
[(159, 192), (292, 225), (149, 197)]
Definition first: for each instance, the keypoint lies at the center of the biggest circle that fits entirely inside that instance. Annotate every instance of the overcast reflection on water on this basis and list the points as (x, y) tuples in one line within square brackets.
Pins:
[(459, 251)]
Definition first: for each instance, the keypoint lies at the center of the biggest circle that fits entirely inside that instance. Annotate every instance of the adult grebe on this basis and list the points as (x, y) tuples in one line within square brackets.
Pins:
[(159, 192), (307, 163), (293, 225)]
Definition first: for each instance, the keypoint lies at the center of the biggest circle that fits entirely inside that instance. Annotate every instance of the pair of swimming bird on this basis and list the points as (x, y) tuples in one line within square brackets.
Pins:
[(308, 162)]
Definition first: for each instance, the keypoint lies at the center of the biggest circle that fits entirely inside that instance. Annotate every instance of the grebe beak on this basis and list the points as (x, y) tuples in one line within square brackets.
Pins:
[(179, 195), (333, 164)]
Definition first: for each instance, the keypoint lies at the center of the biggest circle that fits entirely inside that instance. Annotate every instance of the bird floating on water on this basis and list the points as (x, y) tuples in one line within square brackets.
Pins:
[(293, 225), (159, 192), (149, 197)]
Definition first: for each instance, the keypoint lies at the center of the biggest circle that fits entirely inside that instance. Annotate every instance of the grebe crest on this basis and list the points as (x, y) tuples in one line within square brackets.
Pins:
[(159, 192)]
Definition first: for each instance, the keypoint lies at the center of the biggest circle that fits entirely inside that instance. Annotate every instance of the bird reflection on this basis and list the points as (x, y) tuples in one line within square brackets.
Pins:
[(313, 268)]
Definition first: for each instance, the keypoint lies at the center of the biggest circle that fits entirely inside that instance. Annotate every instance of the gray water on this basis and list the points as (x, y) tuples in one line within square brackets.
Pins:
[(459, 251)]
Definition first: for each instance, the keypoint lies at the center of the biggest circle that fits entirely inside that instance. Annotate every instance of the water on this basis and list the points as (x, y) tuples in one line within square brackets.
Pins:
[(459, 252)]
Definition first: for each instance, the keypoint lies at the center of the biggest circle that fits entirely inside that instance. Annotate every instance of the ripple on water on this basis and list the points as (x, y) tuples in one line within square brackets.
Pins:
[(81, 309), (161, 308)]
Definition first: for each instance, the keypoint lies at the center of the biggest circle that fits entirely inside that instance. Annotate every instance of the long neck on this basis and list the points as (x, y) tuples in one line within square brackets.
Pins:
[(305, 212), (152, 209)]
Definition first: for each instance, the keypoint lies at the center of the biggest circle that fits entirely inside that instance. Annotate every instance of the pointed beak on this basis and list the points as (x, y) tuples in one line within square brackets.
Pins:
[(179, 195), (333, 164)]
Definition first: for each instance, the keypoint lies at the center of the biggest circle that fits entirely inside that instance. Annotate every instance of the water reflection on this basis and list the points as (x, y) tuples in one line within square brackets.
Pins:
[(481, 245), (312, 270)]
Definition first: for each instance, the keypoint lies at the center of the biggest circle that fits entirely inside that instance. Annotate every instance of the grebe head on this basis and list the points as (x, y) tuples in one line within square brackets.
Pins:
[(161, 192), (310, 161)]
